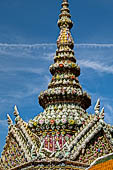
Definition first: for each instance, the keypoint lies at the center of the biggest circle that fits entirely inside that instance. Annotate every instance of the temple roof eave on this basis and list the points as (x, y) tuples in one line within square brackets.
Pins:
[(36, 163)]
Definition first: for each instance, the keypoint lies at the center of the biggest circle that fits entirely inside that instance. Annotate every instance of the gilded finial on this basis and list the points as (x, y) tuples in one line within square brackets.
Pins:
[(97, 107), (65, 17), (16, 113), (102, 113), (10, 122)]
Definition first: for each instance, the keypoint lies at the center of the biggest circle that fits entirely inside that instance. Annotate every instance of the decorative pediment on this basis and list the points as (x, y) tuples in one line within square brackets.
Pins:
[(13, 153), (99, 146)]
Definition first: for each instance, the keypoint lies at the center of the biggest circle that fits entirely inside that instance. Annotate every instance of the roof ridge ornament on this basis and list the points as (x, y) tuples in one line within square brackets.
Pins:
[(16, 113), (10, 122), (102, 113), (97, 107)]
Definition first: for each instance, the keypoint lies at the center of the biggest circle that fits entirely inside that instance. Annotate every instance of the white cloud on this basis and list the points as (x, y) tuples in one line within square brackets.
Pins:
[(48, 79), (25, 50), (101, 67), (110, 108), (22, 69), (26, 91), (109, 114), (49, 56), (5, 45), (3, 123), (86, 45)]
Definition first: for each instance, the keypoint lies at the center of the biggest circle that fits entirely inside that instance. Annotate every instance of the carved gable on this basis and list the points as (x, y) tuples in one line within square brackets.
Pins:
[(97, 147), (12, 154)]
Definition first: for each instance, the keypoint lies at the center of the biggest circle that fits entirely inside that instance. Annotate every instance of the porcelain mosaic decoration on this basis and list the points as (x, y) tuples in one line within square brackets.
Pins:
[(64, 135)]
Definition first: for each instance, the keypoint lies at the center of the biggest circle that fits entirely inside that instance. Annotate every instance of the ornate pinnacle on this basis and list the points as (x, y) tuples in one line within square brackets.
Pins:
[(97, 107), (16, 113), (65, 24), (9, 120), (102, 113), (33, 152), (64, 86), (65, 21)]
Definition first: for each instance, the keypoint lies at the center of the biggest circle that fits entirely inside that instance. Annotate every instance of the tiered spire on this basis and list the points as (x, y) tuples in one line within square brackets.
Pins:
[(64, 101), (65, 16), (64, 86)]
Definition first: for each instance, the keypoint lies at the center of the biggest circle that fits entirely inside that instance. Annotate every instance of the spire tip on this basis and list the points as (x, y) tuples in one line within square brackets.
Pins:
[(9, 120), (16, 113)]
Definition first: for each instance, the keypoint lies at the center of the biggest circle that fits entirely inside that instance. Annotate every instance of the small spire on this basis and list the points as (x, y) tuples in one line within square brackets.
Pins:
[(65, 21), (10, 122), (102, 113), (16, 113), (65, 24), (97, 107)]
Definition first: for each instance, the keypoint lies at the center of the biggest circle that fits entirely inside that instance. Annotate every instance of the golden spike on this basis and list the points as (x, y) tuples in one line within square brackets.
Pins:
[(10, 122), (16, 113)]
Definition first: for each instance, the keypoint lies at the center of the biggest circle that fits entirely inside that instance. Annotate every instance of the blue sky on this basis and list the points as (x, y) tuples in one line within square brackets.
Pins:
[(28, 33)]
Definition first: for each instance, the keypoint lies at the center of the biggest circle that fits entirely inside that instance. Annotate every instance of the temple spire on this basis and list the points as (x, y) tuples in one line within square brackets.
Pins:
[(64, 101), (64, 17), (65, 24), (64, 86)]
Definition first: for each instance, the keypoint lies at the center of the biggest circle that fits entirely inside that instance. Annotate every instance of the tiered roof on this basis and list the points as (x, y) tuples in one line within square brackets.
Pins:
[(64, 135)]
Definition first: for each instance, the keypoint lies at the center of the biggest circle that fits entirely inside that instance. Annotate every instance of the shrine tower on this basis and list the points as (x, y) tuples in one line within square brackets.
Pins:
[(64, 136)]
